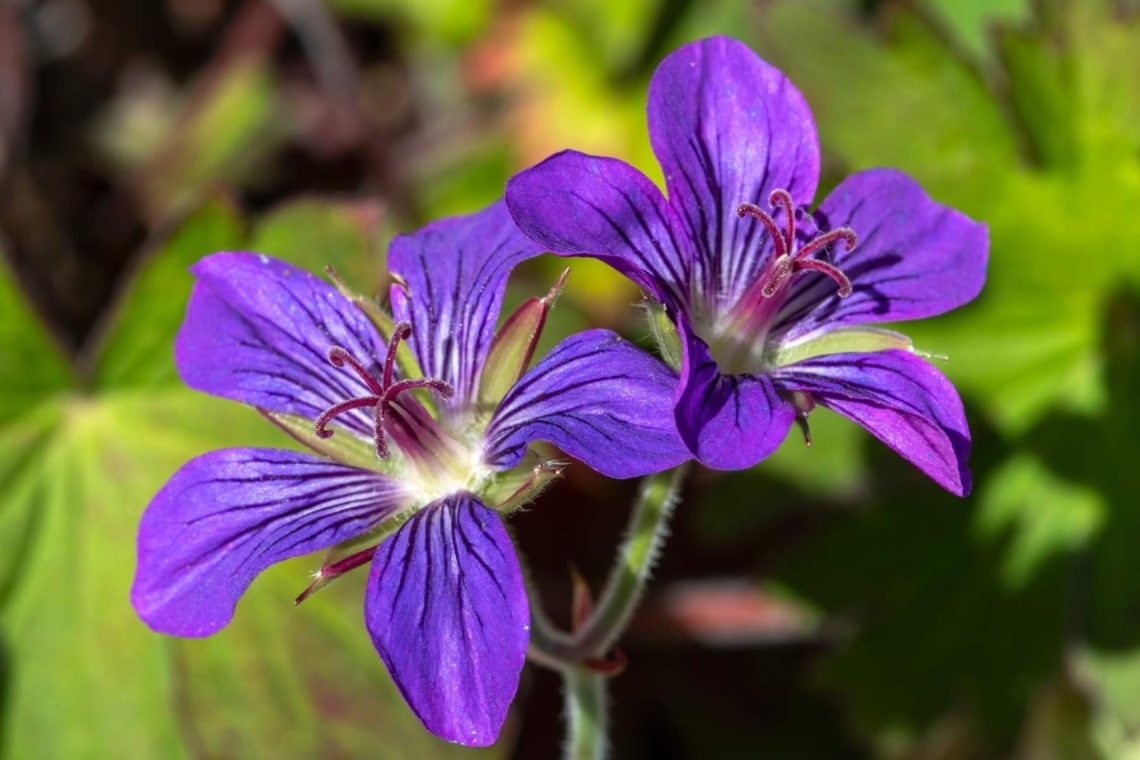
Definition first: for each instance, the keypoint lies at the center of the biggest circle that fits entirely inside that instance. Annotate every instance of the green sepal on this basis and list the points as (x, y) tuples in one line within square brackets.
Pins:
[(520, 486), (843, 340), (342, 446), (352, 553), (513, 346), (664, 334)]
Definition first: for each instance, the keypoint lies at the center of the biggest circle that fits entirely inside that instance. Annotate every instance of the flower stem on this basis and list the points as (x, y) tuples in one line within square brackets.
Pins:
[(568, 654), (648, 527), (586, 714)]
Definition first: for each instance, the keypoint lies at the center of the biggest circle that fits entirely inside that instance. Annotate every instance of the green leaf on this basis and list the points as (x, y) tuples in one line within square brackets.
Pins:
[(314, 233), (1031, 342), (285, 681), (31, 364), (84, 680), (82, 675), (230, 123), (1049, 515), (138, 350), (453, 21), (909, 103), (970, 21), (87, 679)]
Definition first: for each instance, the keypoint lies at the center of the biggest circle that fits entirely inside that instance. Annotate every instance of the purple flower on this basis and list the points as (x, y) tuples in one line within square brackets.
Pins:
[(773, 305), (429, 445)]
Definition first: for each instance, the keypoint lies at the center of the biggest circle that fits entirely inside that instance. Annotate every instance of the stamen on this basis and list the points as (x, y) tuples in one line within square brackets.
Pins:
[(787, 259), (781, 271), (827, 238), (831, 271), (783, 199), (382, 392), (339, 357), (320, 425), (379, 423), (444, 390), (751, 209), (399, 333)]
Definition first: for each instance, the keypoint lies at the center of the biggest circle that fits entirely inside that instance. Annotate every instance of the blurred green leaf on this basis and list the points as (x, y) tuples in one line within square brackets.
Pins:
[(313, 233), (139, 346), (463, 180), (970, 21), (1049, 516), (936, 626), (1037, 313), (571, 98), (226, 128), (31, 364), (615, 32), (973, 604), (82, 675), (907, 103), (1115, 682), (1041, 81), (451, 21)]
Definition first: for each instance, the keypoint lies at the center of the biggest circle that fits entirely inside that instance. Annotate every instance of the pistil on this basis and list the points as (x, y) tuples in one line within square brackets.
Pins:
[(738, 337), (788, 259), (382, 394)]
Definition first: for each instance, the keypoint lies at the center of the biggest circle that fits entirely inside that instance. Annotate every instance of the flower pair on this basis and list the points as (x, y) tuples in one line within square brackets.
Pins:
[(422, 421)]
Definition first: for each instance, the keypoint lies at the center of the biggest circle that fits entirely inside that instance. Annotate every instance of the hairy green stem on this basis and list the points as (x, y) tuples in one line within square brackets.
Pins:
[(648, 527), (584, 687), (586, 714)]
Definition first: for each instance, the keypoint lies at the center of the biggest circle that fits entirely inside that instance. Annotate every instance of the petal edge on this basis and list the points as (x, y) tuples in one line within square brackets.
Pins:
[(447, 611), (227, 515)]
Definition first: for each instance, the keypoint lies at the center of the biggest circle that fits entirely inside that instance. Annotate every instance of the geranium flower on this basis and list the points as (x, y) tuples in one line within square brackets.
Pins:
[(432, 441), (772, 304)]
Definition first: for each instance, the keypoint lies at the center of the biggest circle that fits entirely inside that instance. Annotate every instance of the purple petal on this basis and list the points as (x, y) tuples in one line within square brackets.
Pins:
[(915, 258), (728, 128), (448, 613), (454, 272), (729, 422), (227, 515), (901, 399), (580, 205), (599, 399), (258, 330)]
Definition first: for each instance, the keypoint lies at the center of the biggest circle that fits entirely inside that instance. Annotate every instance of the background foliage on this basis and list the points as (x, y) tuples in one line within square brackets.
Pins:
[(830, 603)]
